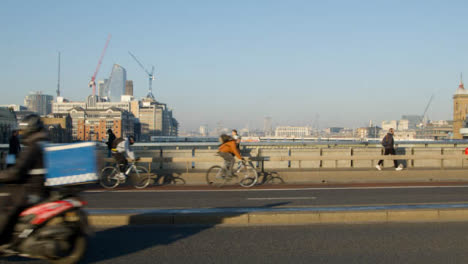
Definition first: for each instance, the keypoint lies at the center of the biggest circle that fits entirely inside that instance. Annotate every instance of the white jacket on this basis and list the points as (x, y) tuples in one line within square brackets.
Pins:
[(124, 147)]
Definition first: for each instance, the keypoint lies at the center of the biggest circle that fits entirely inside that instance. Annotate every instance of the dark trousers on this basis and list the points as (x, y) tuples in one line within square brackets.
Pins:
[(121, 160), (228, 162), (389, 151)]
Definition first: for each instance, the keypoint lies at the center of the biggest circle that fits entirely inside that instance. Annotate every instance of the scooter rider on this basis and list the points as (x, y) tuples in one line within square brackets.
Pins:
[(121, 151), (24, 182)]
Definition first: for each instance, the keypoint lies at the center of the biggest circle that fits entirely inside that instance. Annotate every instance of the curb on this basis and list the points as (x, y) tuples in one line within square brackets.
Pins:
[(283, 216)]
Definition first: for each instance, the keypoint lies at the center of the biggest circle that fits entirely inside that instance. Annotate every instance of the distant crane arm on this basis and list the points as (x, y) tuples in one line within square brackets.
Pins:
[(93, 79), (428, 104), (139, 63)]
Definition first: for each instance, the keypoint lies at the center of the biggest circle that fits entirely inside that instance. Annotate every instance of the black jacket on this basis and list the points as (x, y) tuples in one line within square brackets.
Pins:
[(387, 141), (110, 141), (29, 171), (14, 146)]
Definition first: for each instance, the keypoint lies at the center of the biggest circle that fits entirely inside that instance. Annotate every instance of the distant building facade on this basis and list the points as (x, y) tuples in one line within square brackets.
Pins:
[(8, 122), (91, 124), (60, 128), (155, 119), (368, 132), (386, 125), (151, 117), (39, 103), (15, 107), (334, 130), (292, 131)]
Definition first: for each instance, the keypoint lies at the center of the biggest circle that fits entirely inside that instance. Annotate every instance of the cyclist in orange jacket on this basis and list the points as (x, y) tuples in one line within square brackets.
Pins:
[(227, 150)]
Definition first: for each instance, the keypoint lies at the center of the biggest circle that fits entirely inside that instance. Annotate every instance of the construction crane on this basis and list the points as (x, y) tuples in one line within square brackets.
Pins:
[(92, 83), (423, 117), (150, 76)]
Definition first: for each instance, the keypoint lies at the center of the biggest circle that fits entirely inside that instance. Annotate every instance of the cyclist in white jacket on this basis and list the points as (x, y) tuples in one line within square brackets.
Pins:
[(121, 151)]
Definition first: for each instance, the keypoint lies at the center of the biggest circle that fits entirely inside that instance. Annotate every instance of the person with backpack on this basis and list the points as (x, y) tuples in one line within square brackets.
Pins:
[(110, 141), (121, 151), (228, 150), (388, 144)]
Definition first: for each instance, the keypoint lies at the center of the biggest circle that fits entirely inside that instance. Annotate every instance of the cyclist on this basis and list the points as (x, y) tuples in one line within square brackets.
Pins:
[(227, 150), (121, 151)]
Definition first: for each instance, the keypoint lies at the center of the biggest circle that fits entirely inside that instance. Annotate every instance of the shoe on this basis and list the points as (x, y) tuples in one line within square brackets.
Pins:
[(399, 168), (119, 177), (378, 167)]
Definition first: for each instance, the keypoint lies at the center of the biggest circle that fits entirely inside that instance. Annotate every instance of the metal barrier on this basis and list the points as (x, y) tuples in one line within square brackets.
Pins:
[(189, 161)]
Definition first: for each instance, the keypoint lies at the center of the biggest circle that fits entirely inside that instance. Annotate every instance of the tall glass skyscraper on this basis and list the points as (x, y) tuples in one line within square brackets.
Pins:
[(117, 83)]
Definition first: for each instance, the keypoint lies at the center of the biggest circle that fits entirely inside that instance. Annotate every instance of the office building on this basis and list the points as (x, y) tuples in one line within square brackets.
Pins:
[(156, 119), (117, 82), (39, 103), (129, 87), (103, 89)]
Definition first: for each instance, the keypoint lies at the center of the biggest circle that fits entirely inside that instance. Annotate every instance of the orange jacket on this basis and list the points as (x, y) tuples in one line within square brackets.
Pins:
[(230, 147)]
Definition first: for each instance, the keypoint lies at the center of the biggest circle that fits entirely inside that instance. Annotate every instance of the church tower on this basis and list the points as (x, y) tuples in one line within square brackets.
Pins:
[(460, 109)]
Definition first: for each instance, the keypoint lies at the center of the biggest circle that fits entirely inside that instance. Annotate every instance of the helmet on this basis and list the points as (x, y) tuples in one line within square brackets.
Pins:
[(31, 124), (131, 139)]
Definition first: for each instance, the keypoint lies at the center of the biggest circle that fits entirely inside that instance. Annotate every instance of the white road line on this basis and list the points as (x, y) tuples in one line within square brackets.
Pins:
[(273, 189), (283, 198)]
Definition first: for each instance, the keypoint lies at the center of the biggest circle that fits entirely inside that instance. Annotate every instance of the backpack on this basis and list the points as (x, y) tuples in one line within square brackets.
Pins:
[(117, 142), (386, 141)]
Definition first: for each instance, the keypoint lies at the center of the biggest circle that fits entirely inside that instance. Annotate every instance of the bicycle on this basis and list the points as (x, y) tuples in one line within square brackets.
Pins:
[(139, 175), (245, 173)]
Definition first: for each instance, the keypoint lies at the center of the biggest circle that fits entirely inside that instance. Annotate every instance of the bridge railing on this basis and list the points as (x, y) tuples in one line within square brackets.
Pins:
[(441, 158)]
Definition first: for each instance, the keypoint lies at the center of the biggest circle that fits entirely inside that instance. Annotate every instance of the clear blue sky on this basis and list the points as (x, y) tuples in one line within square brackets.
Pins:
[(238, 61)]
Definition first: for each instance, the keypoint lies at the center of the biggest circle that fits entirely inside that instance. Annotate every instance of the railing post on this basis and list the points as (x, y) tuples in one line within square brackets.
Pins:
[(193, 155), (321, 161), (442, 158)]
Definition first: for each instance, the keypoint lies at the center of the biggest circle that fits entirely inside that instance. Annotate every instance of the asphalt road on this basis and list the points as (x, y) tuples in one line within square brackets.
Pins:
[(167, 199), (385, 243)]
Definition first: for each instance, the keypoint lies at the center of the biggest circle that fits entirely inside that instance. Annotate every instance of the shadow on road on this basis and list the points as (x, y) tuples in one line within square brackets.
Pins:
[(268, 177), (120, 241)]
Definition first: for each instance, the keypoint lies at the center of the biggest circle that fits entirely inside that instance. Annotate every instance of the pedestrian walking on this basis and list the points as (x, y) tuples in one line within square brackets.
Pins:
[(110, 141), (14, 149), (388, 144)]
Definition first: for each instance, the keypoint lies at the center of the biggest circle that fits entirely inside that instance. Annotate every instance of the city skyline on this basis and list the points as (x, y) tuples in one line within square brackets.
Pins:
[(347, 63)]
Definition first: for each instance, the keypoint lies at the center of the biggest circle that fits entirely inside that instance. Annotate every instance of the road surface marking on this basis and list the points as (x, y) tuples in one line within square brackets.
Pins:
[(291, 189), (283, 198)]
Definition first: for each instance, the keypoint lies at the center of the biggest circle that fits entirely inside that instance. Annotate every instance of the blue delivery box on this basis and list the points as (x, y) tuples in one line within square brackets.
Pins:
[(70, 164)]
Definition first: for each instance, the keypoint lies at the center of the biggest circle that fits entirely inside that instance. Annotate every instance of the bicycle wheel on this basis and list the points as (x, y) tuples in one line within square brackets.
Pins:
[(248, 176), (215, 176), (140, 176), (108, 177)]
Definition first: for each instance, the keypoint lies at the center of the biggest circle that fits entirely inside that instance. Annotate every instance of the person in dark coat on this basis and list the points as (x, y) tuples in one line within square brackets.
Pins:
[(14, 146), (388, 144), (110, 142), (23, 183)]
